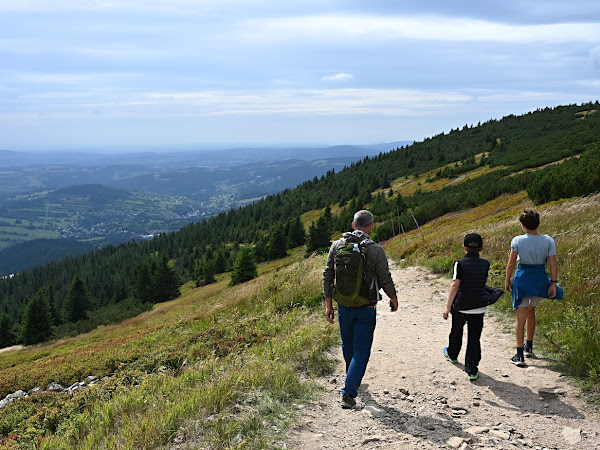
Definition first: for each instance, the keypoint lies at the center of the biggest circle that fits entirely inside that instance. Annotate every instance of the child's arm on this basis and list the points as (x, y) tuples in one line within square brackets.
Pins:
[(553, 276), (451, 294), (510, 267)]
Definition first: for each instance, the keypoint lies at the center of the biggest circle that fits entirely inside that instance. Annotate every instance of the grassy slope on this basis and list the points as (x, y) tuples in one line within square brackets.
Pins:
[(235, 354)]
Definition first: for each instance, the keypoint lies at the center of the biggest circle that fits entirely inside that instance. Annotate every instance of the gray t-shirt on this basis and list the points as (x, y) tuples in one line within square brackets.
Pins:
[(533, 248)]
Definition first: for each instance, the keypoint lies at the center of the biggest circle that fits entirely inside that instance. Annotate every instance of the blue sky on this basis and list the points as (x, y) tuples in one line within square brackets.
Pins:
[(116, 74)]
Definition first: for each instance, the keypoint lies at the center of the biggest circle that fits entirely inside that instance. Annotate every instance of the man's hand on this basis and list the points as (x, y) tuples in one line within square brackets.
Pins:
[(329, 314), (394, 304), (446, 313), (329, 311)]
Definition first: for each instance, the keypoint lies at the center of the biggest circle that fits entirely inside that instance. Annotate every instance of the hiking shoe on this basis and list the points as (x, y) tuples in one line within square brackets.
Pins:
[(448, 356), (474, 376), (348, 401), (518, 360), (528, 352)]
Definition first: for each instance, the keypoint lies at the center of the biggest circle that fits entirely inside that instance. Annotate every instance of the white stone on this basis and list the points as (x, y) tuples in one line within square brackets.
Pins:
[(371, 439), (375, 411), (477, 430), (455, 442), (18, 394), (549, 392), (572, 435), (500, 434)]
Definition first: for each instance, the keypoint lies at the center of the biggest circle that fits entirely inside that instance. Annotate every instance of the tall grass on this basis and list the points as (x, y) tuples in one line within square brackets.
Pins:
[(569, 328), (214, 368)]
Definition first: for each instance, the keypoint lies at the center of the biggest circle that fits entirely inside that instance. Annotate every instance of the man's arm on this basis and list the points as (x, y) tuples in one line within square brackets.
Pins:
[(384, 277), (328, 277)]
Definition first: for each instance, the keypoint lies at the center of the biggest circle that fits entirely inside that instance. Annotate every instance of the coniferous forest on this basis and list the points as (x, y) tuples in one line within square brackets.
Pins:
[(550, 153)]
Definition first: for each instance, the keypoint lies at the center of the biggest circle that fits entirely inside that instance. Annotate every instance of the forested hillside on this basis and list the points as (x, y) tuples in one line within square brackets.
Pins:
[(551, 153)]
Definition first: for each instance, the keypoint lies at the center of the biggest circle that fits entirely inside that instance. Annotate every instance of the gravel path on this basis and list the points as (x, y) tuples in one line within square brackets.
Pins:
[(412, 398)]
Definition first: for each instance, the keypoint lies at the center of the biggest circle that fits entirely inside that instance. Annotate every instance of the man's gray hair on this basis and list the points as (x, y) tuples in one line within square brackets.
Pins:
[(362, 218)]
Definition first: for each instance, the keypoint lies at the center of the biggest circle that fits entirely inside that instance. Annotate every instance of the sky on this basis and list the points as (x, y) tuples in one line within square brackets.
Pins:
[(121, 74)]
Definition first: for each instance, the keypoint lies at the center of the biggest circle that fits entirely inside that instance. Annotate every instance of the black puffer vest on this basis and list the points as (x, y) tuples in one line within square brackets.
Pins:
[(472, 272)]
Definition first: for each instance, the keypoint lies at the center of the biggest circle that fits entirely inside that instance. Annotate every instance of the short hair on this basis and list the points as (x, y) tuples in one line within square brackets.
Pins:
[(530, 219), (362, 218)]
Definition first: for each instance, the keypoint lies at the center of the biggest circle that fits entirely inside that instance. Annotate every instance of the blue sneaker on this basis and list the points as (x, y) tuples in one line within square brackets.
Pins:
[(448, 356), (473, 377)]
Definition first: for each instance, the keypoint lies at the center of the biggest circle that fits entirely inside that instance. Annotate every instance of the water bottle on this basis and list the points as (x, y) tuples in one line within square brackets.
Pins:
[(356, 248)]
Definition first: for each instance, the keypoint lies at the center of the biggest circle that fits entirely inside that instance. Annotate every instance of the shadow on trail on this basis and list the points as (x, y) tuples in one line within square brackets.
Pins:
[(406, 422), (525, 400)]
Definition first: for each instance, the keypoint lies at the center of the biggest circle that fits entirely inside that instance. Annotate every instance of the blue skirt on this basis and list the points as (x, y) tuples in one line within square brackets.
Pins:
[(531, 280)]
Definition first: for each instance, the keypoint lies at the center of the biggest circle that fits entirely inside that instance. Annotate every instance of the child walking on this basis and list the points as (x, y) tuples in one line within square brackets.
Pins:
[(466, 302), (530, 252)]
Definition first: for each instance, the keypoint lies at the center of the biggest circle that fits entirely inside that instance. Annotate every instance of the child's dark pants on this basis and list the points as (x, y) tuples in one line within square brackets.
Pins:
[(474, 326)]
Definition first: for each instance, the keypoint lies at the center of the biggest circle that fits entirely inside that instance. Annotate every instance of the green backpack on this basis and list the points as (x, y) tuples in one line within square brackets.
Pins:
[(350, 288)]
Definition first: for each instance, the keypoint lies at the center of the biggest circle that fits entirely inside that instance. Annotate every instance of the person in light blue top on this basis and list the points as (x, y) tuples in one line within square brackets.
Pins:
[(530, 253)]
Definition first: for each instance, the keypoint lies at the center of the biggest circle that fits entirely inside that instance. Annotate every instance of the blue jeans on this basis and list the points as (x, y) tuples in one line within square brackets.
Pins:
[(357, 326)]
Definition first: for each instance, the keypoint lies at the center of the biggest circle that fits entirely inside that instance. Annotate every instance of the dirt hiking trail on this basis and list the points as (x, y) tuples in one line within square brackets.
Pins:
[(413, 398)]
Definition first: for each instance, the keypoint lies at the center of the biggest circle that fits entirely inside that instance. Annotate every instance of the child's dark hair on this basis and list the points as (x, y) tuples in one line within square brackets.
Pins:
[(530, 219)]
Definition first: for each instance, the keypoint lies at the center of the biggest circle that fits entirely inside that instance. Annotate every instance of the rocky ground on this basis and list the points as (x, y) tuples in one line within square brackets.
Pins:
[(413, 398)]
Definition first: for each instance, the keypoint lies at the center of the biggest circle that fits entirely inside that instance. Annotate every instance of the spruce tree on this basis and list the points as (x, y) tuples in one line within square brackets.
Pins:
[(296, 235), (78, 301), (245, 267), (142, 287), (36, 325), (7, 324), (165, 283), (56, 318), (277, 243), (261, 249), (119, 290), (319, 233)]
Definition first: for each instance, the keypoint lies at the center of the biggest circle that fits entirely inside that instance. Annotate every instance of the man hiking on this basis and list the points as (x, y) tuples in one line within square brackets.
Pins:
[(356, 269)]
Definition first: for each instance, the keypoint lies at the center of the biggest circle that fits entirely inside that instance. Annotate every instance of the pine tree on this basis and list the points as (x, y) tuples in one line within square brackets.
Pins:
[(165, 283), (245, 267), (78, 301), (261, 249), (55, 313), (142, 287), (36, 325), (296, 235), (277, 243), (120, 290), (7, 324), (204, 273), (319, 233)]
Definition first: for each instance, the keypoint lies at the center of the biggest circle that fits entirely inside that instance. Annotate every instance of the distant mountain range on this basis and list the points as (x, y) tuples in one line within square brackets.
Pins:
[(93, 199)]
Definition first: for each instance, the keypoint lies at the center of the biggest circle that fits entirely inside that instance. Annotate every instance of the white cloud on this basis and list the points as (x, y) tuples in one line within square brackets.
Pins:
[(340, 77), (423, 28)]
